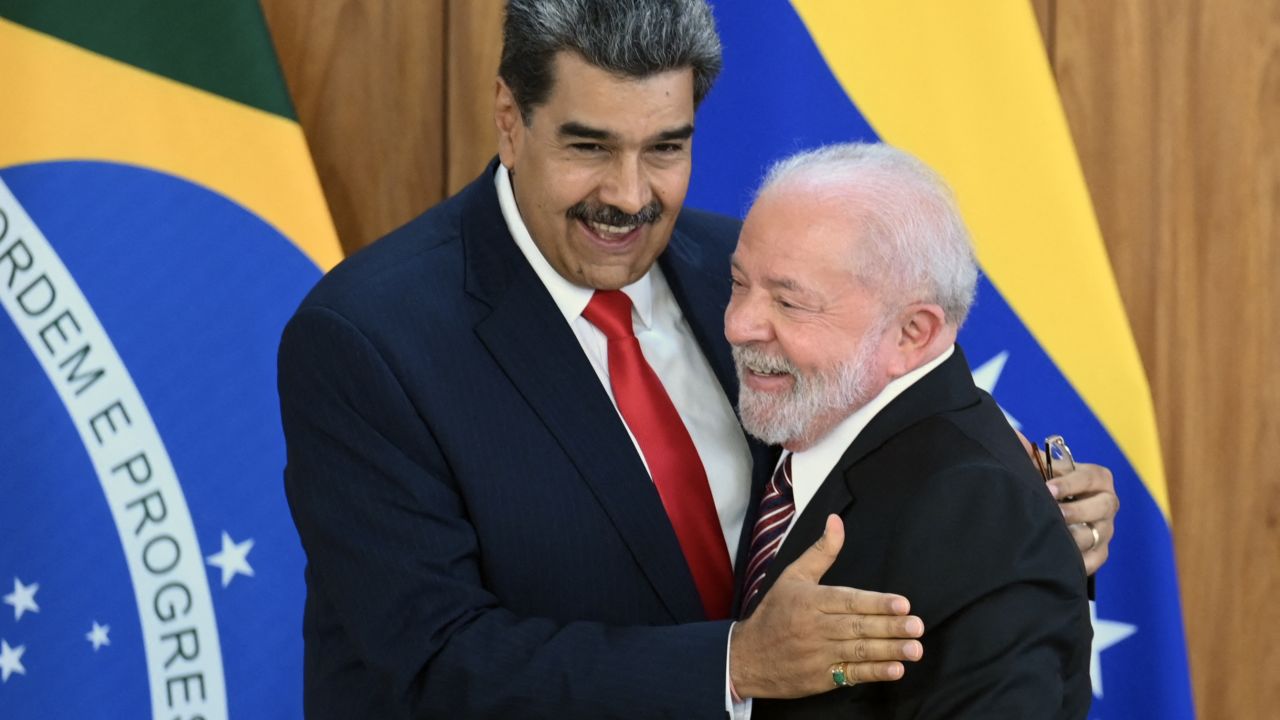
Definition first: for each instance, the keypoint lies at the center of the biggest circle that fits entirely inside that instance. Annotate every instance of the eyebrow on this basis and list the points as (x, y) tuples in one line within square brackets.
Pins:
[(578, 130), (681, 133), (774, 282)]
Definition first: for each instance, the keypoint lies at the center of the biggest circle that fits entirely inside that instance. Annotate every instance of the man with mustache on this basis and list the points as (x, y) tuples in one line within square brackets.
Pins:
[(851, 278), (513, 458)]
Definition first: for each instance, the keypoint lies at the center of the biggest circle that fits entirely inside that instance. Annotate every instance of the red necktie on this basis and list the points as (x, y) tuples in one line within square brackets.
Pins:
[(777, 507), (668, 450)]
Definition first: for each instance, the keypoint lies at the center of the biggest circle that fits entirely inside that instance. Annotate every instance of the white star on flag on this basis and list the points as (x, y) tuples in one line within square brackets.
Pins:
[(11, 660), (233, 559), (98, 635), (23, 598), (987, 375), (1105, 634)]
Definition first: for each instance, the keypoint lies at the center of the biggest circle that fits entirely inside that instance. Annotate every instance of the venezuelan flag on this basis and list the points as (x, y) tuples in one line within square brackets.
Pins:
[(159, 221), (968, 89)]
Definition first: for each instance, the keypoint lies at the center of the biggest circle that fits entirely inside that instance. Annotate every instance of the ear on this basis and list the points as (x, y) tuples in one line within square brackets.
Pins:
[(510, 123), (922, 328)]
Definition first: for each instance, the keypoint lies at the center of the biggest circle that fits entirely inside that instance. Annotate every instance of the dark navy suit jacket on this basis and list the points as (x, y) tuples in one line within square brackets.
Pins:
[(941, 504), (482, 538)]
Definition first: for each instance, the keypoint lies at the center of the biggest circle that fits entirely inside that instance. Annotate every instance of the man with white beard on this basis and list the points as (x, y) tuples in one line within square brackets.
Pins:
[(852, 276)]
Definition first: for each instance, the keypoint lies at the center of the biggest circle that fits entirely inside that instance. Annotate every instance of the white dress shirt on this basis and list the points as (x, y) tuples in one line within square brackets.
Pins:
[(669, 346)]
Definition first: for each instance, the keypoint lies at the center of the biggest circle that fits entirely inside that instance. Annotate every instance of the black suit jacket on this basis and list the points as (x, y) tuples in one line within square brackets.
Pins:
[(941, 504), (482, 538)]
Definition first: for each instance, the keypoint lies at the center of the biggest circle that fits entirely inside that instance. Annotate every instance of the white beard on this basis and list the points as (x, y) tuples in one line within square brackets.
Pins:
[(780, 419)]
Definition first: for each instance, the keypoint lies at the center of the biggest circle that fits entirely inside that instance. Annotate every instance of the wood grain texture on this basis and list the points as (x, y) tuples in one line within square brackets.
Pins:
[(475, 45), (1175, 109), (367, 79)]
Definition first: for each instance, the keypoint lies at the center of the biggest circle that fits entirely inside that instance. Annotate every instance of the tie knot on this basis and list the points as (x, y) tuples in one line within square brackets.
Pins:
[(610, 311)]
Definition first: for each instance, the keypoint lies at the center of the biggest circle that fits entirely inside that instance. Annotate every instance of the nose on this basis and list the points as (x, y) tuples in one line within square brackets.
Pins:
[(745, 321), (627, 186)]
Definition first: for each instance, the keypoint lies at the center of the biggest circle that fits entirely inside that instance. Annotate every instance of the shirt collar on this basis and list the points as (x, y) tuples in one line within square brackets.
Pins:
[(810, 466), (570, 298)]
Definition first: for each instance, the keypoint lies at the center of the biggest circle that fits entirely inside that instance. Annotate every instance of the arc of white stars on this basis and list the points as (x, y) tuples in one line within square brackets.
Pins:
[(23, 598), (98, 635), (233, 559), (1105, 634), (11, 660)]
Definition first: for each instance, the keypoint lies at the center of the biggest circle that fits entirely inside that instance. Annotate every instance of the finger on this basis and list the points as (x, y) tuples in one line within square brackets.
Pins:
[(874, 672), (853, 627), (877, 651), (815, 561), (1097, 509), (1085, 479), (852, 601), (1083, 537), (1095, 558)]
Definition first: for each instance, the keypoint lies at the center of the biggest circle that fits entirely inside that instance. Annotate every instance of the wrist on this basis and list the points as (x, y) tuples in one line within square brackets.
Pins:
[(739, 663)]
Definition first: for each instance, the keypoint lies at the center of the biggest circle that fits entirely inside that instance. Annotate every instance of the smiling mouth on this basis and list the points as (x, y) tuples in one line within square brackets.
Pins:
[(612, 232), (766, 370), (610, 225), (755, 366)]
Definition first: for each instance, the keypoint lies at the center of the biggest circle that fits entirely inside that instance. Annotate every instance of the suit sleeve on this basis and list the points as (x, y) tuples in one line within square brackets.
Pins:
[(394, 558), (1002, 591)]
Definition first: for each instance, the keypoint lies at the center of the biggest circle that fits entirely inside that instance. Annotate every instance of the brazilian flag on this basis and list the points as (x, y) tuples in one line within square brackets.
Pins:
[(159, 221), (967, 88)]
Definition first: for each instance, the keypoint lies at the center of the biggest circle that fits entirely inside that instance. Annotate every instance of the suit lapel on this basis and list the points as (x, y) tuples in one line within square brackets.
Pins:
[(947, 387), (702, 296), (528, 337)]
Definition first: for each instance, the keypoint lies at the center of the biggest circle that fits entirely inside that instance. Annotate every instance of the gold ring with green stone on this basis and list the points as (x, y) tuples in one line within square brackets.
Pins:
[(840, 675)]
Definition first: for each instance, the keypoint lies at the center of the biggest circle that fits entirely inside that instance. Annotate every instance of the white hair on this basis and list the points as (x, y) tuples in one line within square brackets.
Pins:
[(913, 245)]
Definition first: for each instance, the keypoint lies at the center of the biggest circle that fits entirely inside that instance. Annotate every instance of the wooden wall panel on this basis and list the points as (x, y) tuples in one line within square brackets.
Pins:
[(367, 79), (1175, 110), (475, 44)]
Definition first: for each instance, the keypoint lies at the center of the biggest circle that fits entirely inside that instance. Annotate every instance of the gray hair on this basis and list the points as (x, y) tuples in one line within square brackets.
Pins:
[(632, 38), (914, 242)]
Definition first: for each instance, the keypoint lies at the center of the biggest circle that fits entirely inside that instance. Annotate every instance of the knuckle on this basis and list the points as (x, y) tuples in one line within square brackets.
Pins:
[(860, 651), (859, 626)]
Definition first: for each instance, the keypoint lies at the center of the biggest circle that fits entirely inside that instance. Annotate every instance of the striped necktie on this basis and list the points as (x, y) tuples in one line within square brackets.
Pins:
[(777, 507)]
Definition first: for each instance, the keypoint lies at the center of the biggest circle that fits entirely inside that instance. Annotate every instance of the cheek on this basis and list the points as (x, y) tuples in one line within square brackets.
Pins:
[(670, 183), (808, 351)]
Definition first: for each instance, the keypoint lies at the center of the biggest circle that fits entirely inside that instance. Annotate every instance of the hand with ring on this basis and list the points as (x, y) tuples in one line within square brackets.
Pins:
[(1086, 496), (796, 641)]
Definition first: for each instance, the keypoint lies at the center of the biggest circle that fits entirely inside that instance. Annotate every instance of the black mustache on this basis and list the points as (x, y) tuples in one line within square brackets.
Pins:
[(610, 215)]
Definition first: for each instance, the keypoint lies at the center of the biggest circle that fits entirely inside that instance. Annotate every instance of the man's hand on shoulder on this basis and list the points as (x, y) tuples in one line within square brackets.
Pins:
[(1087, 497), (800, 629), (1086, 494)]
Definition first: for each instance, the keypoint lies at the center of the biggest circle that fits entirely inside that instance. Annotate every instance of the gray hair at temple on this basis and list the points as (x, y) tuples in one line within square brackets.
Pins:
[(915, 245), (631, 38)]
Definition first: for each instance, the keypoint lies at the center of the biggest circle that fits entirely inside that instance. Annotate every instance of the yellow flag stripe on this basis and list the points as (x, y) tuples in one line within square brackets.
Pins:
[(967, 87), (66, 103)]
